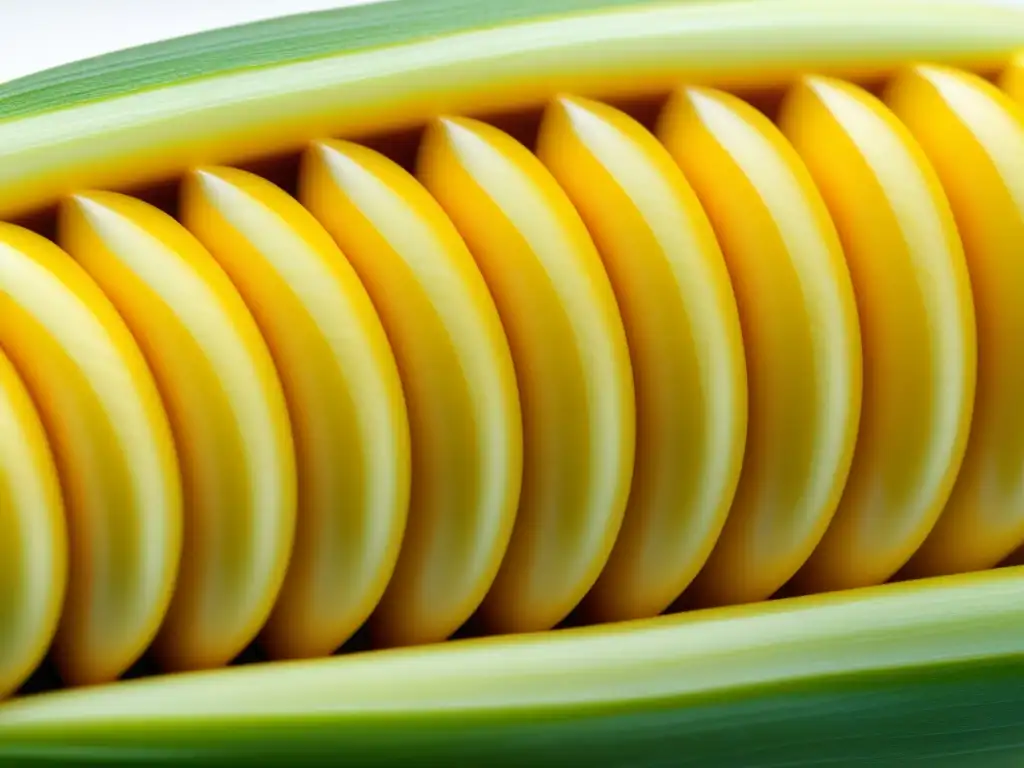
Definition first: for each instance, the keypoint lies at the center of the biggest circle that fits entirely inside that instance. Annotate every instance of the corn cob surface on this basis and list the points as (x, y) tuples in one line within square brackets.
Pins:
[(470, 340)]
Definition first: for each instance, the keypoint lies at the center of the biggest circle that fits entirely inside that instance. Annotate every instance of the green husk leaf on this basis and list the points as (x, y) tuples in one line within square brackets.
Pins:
[(236, 117), (923, 673), (293, 38)]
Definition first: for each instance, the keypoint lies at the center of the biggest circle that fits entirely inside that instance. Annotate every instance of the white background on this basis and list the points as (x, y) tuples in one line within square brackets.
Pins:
[(37, 34)]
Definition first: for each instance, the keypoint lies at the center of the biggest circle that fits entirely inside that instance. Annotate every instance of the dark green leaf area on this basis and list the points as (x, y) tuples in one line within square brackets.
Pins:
[(957, 715)]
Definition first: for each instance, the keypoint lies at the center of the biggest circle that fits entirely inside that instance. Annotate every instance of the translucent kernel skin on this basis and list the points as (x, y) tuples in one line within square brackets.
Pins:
[(345, 403), (456, 378), (682, 324), (226, 409), (800, 333), (571, 359), (113, 449), (33, 535), (917, 329), (457, 370)]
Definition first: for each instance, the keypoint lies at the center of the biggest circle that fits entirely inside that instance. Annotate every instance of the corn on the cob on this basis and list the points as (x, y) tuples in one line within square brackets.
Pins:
[(495, 318)]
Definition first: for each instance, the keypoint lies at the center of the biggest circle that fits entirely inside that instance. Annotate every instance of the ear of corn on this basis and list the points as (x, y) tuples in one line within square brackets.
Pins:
[(741, 317)]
